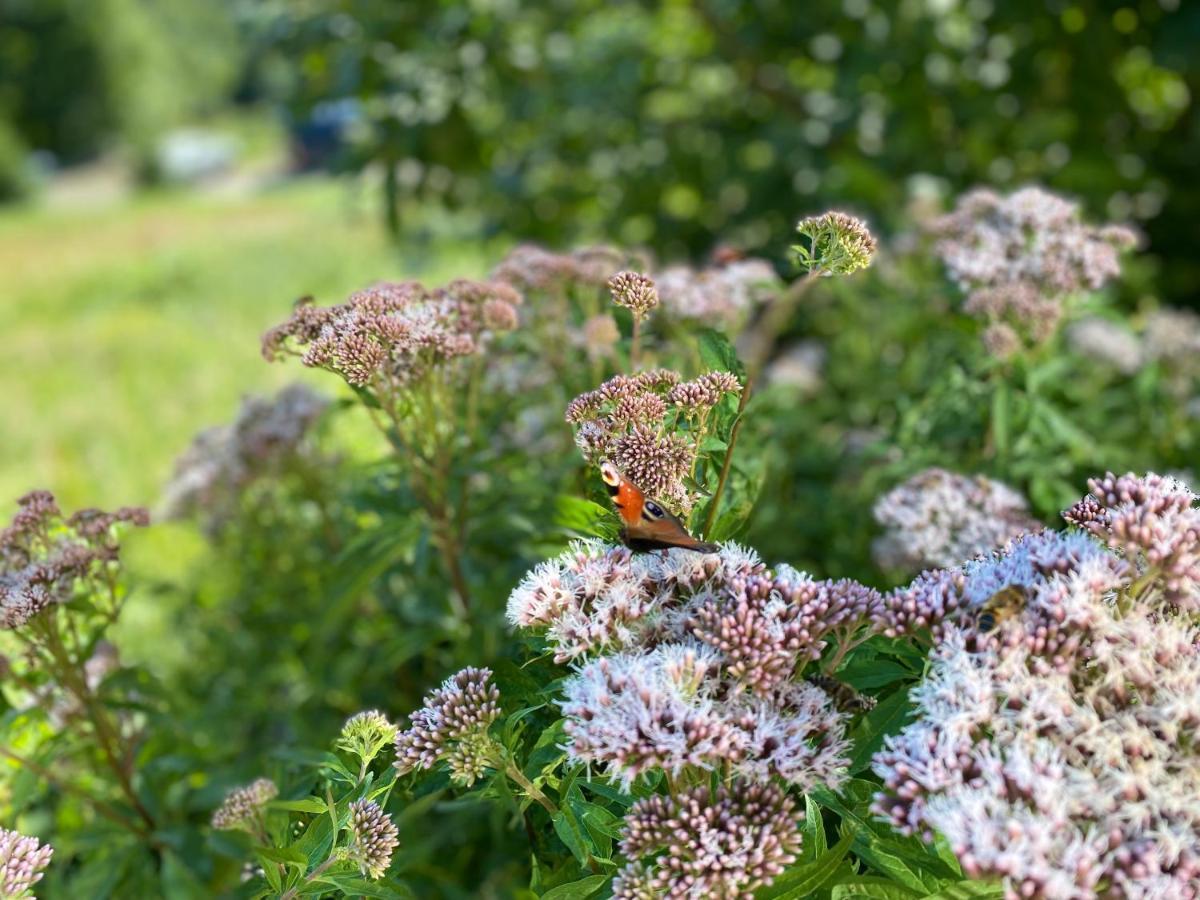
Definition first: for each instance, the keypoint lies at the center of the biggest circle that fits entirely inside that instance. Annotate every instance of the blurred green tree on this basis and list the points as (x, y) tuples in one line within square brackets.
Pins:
[(678, 123)]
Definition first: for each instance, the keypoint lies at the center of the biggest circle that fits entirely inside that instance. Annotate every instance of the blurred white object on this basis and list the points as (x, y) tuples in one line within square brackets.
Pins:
[(190, 155)]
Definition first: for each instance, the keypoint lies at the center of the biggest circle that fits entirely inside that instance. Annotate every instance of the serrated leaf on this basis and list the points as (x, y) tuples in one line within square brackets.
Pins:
[(577, 890)]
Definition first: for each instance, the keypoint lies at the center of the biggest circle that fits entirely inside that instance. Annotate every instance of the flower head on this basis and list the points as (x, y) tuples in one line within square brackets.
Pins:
[(634, 421), (365, 734), (721, 296), (1155, 522), (374, 838), (833, 243), (1021, 256), (1047, 746), (222, 462), (634, 291), (1106, 342), (45, 558), (22, 860), (396, 333), (453, 726), (939, 518), (698, 660), (244, 807), (704, 843)]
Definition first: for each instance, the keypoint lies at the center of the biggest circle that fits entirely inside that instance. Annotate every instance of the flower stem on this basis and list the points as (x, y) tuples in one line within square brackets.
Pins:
[(715, 505)]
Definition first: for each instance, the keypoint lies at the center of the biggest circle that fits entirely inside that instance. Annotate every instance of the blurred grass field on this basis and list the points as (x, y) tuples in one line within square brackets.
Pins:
[(130, 325)]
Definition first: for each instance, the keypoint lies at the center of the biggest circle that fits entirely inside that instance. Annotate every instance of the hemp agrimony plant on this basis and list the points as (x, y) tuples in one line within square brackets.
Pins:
[(415, 357)]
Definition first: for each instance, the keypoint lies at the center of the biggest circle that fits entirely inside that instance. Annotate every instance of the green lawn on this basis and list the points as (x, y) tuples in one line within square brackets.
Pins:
[(128, 328)]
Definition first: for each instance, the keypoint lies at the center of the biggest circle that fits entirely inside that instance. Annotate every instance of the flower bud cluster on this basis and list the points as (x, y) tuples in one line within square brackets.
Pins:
[(395, 333), (453, 727), (45, 557), (723, 843), (648, 425)]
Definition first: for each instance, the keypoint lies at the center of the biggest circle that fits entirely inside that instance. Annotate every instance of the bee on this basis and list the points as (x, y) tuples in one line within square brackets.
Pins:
[(1003, 605), (845, 698), (645, 523)]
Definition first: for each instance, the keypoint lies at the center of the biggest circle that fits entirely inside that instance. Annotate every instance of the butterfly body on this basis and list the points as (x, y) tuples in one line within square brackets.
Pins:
[(645, 524)]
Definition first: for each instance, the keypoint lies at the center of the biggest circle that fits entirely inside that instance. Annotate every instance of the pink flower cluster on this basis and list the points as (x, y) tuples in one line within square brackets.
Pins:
[(223, 461), (395, 333), (703, 658), (719, 296), (453, 727), (1056, 749), (650, 426), (22, 860), (1155, 523), (940, 518), (1020, 256), (44, 556), (703, 843)]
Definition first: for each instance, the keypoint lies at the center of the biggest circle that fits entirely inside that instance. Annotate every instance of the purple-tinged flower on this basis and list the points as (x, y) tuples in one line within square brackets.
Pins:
[(267, 435), (453, 727), (704, 843), (1106, 342), (939, 518), (1052, 749), (634, 421), (1020, 257), (722, 296), (635, 292), (244, 807), (1152, 520), (374, 838), (22, 860), (45, 559), (395, 333)]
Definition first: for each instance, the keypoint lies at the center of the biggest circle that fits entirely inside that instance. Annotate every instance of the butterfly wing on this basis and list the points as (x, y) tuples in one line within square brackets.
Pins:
[(645, 523)]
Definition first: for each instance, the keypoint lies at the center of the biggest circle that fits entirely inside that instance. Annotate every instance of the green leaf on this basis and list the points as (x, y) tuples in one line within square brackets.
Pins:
[(1000, 419), (289, 856), (582, 516), (968, 890), (353, 885), (814, 827), (888, 717), (804, 881), (571, 833), (874, 889), (307, 805), (716, 352), (576, 890)]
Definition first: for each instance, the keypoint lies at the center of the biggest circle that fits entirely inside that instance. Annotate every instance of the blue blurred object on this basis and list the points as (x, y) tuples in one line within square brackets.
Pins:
[(318, 141)]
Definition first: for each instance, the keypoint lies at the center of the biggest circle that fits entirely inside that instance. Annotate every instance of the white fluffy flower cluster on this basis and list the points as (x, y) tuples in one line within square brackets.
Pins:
[(702, 655), (1058, 750), (940, 518), (1020, 256), (720, 296)]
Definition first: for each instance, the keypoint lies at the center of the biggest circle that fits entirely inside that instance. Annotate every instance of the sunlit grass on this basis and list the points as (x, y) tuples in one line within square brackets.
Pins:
[(128, 328)]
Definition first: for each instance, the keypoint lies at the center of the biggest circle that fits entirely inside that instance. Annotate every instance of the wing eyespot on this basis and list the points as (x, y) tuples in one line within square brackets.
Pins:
[(655, 511)]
